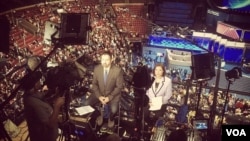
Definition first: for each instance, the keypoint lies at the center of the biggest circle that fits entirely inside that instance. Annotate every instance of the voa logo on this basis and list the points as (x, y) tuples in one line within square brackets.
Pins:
[(236, 132)]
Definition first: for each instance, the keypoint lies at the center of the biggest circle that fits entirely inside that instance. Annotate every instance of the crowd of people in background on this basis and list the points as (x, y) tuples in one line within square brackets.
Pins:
[(104, 35)]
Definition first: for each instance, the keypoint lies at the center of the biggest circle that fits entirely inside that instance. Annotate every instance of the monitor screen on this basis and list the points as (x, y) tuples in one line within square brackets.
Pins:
[(200, 124)]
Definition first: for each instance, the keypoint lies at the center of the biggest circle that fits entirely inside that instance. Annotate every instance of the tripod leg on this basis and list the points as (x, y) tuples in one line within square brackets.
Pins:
[(140, 118), (198, 101), (225, 103), (143, 118), (137, 115)]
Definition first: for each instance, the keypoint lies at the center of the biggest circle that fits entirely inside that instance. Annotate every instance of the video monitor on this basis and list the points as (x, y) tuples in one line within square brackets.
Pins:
[(200, 124)]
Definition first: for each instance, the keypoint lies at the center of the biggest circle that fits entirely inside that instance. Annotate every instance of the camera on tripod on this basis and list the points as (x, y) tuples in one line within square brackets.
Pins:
[(234, 73)]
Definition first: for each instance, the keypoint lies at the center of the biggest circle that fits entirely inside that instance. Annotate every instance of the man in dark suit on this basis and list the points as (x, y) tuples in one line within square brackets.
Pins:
[(107, 85)]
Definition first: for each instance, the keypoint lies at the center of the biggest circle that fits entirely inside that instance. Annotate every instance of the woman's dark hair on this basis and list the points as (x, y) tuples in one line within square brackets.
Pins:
[(163, 68)]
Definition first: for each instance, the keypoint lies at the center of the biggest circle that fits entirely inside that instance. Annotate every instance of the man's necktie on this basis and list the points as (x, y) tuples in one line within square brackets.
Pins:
[(105, 76)]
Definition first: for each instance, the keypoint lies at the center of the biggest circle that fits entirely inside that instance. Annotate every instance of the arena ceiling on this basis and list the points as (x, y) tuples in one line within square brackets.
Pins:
[(6, 5)]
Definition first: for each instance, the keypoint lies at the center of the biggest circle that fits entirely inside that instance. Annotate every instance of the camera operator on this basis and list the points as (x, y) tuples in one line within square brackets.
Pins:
[(41, 117)]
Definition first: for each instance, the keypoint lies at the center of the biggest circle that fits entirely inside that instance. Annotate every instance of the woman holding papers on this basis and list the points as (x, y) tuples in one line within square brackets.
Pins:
[(160, 91)]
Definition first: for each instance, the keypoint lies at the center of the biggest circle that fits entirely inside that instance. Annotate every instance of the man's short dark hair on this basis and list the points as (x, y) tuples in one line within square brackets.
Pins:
[(107, 53)]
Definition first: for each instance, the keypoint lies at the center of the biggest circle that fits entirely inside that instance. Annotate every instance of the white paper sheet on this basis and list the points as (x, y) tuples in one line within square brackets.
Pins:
[(156, 103), (84, 110)]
